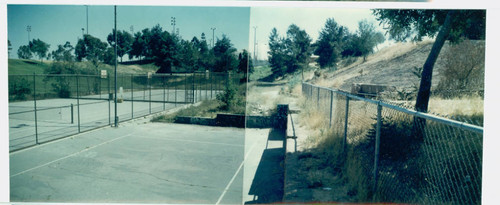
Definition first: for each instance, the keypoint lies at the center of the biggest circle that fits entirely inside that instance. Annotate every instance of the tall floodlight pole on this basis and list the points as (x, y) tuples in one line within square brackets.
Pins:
[(254, 40), (116, 63), (213, 36), (87, 11), (172, 23), (28, 28)]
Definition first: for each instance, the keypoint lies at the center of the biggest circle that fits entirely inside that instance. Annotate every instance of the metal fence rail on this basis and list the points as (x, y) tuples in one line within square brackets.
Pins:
[(406, 156), (47, 107)]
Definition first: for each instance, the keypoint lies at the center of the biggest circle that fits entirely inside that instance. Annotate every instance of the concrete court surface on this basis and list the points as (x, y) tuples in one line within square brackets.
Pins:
[(138, 162)]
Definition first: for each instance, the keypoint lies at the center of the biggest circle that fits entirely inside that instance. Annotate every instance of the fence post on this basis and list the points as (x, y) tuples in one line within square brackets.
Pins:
[(192, 88), (163, 79), (72, 121), (78, 102), (211, 84), (175, 95), (377, 148), (317, 102), (206, 90), (331, 106), (34, 101), (132, 93), (100, 87), (149, 86), (346, 121), (310, 91), (109, 99)]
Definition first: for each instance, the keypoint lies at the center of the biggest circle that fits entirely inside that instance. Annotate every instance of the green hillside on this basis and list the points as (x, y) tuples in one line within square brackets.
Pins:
[(20, 67)]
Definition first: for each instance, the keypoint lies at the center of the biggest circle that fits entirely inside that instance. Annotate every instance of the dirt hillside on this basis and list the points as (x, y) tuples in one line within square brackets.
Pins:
[(392, 65)]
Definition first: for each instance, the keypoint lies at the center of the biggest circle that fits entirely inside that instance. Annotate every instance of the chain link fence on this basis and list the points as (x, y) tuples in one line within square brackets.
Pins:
[(43, 108), (400, 155)]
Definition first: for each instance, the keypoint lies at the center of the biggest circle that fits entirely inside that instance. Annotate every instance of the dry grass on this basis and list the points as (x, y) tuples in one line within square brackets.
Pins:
[(457, 106)]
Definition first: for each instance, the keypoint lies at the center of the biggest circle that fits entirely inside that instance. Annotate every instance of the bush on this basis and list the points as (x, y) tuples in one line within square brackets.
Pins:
[(19, 89), (232, 99), (463, 72)]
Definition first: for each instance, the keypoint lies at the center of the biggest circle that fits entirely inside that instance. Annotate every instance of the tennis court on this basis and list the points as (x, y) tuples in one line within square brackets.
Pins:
[(45, 107), (56, 118), (135, 163)]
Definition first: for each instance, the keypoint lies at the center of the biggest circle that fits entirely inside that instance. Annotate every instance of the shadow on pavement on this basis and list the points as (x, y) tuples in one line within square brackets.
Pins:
[(267, 185)]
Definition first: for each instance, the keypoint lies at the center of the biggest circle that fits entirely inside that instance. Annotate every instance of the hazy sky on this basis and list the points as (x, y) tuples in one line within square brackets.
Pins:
[(312, 20), (56, 24)]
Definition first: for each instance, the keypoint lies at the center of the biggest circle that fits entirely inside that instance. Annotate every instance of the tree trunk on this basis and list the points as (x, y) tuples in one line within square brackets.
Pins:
[(422, 103)]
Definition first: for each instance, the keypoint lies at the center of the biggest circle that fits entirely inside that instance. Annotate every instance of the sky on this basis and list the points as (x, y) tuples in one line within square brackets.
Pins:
[(56, 24), (312, 20)]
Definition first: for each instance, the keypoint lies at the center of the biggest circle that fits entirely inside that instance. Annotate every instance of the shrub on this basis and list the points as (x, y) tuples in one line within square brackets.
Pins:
[(233, 98), (463, 72), (19, 89)]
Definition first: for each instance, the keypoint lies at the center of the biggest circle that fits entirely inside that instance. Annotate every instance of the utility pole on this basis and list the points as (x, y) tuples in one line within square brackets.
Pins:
[(172, 23), (213, 36), (254, 41), (116, 63), (28, 28)]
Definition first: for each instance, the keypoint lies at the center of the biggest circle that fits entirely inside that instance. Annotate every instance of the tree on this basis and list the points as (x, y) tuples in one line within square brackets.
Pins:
[(9, 47), (188, 56), (92, 49), (39, 47), (366, 39), (63, 52), (447, 24), (330, 43), (298, 44), (245, 64), (289, 54), (277, 53), (224, 54), (124, 44), (140, 45), (24, 52), (164, 49), (64, 63)]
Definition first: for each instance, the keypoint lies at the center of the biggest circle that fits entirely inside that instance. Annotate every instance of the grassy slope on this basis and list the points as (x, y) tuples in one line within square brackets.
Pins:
[(28, 67), (17, 67)]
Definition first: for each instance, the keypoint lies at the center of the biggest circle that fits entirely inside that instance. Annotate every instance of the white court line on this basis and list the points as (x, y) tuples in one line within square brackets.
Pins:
[(81, 151), (202, 142), (234, 176)]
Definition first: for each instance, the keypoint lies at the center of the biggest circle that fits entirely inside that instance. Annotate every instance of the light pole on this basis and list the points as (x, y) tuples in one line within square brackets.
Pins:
[(254, 40), (28, 28), (87, 11), (116, 63), (213, 36), (172, 23)]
